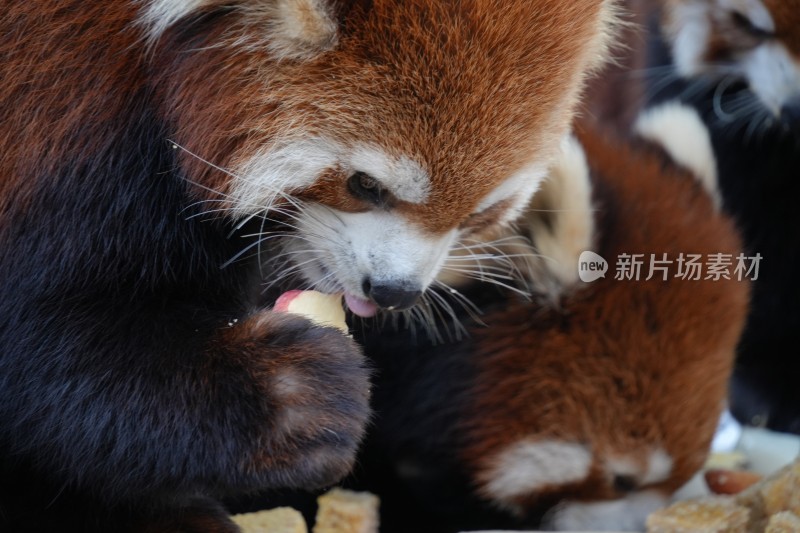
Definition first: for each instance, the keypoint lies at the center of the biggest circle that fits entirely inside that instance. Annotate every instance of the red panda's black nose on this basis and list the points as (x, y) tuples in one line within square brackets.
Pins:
[(394, 297)]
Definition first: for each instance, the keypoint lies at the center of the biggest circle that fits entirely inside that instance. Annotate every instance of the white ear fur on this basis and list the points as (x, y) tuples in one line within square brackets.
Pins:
[(158, 15), (560, 221), (679, 130), (301, 29), (291, 29)]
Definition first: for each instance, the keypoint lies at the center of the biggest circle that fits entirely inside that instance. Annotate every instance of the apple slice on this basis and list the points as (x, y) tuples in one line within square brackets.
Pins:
[(322, 309)]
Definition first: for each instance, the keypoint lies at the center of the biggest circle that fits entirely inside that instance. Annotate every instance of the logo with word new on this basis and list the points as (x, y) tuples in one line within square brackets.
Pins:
[(591, 267)]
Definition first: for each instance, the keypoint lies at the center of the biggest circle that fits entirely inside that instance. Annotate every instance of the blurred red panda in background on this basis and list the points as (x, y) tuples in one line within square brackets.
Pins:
[(161, 161), (738, 63)]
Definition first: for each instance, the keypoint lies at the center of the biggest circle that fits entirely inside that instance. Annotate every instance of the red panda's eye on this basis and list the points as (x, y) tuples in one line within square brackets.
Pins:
[(365, 187), (743, 23)]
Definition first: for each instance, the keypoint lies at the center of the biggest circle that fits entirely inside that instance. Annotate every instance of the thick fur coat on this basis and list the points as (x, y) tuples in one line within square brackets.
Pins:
[(162, 161)]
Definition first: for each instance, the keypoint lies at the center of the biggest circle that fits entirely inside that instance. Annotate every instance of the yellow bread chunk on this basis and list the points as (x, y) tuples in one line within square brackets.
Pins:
[(782, 493), (344, 511), (778, 492), (712, 515), (320, 308), (783, 522), (280, 520)]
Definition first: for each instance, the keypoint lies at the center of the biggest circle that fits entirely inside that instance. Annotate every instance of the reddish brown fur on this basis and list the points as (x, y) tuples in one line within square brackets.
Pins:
[(786, 15), (485, 114), (470, 116), (49, 116), (626, 366)]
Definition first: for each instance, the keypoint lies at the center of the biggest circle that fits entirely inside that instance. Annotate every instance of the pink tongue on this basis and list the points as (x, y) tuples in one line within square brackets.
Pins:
[(362, 308)]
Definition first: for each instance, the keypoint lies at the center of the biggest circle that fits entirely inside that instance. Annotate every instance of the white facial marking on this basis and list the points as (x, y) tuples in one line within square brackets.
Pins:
[(623, 466), (656, 468), (626, 514), (288, 166), (158, 15), (679, 130), (530, 465), (773, 74), (659, 467), (298, 29), (404, 177), (754, 10), (292, 165), (518, 188), (690, 29), (378, 245), (387, 248)]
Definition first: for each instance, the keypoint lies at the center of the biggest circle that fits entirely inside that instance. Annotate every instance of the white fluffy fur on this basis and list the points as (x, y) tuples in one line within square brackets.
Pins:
[(774, 75), (655, 467), (659, 467), (688, 25), (625, 514), (560, 218), (301, 29), (755, 10), (158, 15), (290, 29), (292, 165), (681, 132), (532, 465), (403, 176), (518, 188), (379, 245), (287, 166)]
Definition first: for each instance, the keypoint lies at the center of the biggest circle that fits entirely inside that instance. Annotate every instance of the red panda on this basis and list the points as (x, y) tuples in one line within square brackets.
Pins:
[(738, 64), (587, 407), (755, 41), (162, 161)]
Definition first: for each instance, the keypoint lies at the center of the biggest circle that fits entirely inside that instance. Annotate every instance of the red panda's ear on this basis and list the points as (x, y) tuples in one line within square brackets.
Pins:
[(302, 29), (560, 222)]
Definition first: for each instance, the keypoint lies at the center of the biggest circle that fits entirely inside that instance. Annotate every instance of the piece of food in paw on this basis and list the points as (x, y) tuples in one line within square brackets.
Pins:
[(783, 522), (320, 308), (710, 515), (729, 482), (344, 511), (279, 520)]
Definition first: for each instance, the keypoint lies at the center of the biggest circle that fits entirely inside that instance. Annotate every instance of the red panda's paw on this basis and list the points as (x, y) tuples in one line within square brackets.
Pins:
[(316, 389)]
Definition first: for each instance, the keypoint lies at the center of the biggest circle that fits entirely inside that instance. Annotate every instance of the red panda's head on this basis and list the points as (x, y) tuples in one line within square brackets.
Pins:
[(388, 129), (755, 41), (597, 403)]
